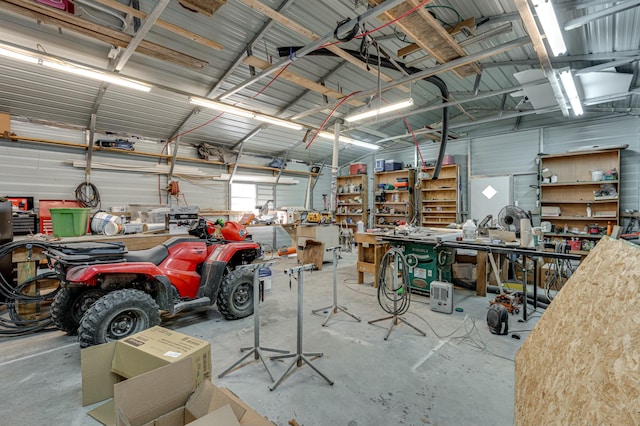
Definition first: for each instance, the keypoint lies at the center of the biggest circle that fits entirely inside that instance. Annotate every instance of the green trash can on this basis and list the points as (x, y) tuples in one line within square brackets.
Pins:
[(69, 222)]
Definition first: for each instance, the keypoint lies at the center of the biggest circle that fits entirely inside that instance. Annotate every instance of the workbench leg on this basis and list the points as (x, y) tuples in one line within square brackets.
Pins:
[(481, 280), (361, 277)]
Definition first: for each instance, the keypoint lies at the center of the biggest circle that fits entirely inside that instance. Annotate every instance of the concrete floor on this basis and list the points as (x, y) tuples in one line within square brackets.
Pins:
[(459, 374)]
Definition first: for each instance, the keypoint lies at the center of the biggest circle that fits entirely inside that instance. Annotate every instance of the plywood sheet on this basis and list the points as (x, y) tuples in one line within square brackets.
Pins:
[(429, 34), (581, 363)]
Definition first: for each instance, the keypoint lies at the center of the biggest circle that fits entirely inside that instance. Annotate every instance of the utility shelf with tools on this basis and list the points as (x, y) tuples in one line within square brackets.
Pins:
[(394, 198)]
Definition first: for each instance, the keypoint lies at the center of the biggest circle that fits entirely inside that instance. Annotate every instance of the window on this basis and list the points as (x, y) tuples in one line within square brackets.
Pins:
[(243, 197)]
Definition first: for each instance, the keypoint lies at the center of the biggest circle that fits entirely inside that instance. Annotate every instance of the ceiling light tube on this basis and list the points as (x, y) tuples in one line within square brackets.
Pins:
[(219, 106), (350, 141), (381, 110), (277, 122), (52, 62), (97, 75), (549, 21), (572, 92)]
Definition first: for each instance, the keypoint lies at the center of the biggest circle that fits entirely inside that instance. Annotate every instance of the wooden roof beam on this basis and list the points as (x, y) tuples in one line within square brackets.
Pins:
[(427, 33)]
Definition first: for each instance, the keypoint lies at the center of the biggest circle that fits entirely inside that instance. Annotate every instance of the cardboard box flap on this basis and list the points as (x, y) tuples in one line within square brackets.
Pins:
[(148, 396), (251, 417), (172, 418), (97, 378), (223, 416), (208, 398), (105, 413)]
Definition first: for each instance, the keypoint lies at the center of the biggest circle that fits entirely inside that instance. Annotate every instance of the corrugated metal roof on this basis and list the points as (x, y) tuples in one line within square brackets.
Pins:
[(36, 93)]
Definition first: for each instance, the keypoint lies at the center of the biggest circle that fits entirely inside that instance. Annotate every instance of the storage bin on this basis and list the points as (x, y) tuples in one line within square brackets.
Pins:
[(69, 222), (390, 165), (358, 169), (379, 166)]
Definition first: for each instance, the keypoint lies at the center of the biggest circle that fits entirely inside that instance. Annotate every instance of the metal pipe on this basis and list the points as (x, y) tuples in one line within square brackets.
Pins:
[(620, 7)]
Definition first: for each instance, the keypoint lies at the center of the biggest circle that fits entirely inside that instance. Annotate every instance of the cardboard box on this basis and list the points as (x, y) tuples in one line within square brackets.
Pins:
[(5, 124), (465, 271), (104, 366), (176, 401)]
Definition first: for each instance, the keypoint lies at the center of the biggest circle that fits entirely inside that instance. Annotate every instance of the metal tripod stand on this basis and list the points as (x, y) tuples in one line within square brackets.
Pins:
[(299, 357), (396, 312), (335, 308), (256, 349)]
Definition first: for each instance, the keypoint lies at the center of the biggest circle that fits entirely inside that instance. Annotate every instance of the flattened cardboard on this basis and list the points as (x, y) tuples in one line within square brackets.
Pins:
[(223, 416), (251, 417), (158, 346), (208, 398), (97, 378), (148, 396), (105, 413)]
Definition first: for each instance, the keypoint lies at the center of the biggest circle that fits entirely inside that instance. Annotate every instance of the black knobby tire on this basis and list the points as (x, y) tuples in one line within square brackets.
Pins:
[(235, 298), (116, 315), (70, 304)]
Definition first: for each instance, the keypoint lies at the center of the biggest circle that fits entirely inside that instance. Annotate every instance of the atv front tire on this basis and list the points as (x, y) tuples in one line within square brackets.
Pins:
[(235, 298), (70, 304), (117, 315)]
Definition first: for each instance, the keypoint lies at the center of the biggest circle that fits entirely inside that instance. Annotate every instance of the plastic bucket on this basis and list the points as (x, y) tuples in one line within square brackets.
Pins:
[(69, 222), (100, 221), (112, 228)]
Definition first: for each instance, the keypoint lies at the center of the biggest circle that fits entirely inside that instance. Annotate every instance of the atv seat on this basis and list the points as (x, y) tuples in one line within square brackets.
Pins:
[(154, 255)]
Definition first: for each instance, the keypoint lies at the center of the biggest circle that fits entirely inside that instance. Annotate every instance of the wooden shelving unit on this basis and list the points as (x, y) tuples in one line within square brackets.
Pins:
[(351, 200), (564, 202), (392, 206), (439, 198)]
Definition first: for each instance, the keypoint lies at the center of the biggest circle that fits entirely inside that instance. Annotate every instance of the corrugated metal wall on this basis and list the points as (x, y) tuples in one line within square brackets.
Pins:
[(46, 171)]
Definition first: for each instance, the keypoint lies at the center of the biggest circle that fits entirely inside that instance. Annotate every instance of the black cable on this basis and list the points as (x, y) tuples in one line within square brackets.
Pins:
[(87, 195), (15, 325), (350, 35), (394, 301)]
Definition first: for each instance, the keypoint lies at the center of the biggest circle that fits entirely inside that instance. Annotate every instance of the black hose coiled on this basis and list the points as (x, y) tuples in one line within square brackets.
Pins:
[(394, 301), (13, 296), (87, 195)]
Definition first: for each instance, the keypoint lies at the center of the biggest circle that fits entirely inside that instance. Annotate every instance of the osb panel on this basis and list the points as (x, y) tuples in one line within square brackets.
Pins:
[(429, 34), (207, 7), (581, 363)]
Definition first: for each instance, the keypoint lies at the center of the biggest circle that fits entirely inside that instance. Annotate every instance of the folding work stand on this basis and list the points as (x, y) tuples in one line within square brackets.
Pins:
[(395, 315), (256, 349), (299, 357), (335, 308)]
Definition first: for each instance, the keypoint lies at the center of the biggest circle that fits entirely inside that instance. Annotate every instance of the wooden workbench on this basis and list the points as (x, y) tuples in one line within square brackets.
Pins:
[(370, 252)]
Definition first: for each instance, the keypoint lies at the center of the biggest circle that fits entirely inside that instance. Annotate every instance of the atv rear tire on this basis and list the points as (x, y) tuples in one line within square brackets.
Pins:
[(235, 299), (116, 315), (70, 304)]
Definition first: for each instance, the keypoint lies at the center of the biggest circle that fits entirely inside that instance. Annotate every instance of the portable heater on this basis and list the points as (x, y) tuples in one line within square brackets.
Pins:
[(441, 297)]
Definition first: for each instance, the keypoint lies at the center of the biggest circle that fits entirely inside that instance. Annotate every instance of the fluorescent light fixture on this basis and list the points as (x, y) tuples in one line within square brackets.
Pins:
[(572, 92), (97, 75), (277, 122), (17, 55), (52, 62), (219, 106), (381, 110), (347, 140), (549, 21)]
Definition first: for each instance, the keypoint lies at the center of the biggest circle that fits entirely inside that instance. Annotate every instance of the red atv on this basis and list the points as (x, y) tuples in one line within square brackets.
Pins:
[(108, 293)]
